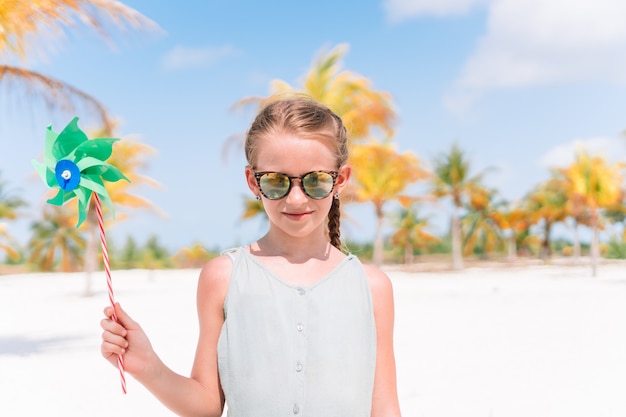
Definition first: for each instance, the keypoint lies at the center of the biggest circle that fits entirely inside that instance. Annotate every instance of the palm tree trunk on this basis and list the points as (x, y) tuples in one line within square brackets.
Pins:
[(595, 246), (457, 256), (408, 254), (512, 247), (545, 244), (576, 243), (378, 238)]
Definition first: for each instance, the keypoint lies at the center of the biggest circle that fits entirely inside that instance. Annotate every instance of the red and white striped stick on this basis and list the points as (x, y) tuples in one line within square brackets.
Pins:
[(107, 268)]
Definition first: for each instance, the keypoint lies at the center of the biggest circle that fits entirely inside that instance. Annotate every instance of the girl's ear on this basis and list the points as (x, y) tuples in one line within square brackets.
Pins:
[(251, 181), (343, 178)]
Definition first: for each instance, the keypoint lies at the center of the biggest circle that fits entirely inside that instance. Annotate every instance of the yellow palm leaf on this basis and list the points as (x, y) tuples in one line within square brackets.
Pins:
[(20, 20), (383, 174), (595, 181)]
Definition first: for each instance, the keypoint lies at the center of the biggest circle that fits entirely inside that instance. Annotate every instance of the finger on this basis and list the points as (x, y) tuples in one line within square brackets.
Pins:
[(114, 343), (124, 319), (108, 349), (108, 311), (109, 325)]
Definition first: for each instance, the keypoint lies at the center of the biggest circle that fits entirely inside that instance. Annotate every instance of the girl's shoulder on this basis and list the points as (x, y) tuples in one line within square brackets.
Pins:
[(376, 277), (380, 285), (220, 267), (215, 277)]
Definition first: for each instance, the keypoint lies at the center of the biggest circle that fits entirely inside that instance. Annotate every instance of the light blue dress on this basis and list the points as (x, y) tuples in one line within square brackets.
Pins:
[(292, 351)]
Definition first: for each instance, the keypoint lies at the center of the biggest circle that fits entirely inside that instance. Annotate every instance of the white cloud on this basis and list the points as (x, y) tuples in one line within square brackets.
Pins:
[(612, 149), (398, 10), (532, 42), (182, 57)]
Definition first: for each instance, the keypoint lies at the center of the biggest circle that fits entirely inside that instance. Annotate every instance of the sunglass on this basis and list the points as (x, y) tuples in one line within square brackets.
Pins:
[(276, 185)]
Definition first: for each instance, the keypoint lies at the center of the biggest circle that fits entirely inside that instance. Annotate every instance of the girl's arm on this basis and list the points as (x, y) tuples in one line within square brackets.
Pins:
[(385, 398), (200, 394)]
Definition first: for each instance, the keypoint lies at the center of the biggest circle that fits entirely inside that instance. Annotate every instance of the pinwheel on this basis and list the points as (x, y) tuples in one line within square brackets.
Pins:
[(75, 165)]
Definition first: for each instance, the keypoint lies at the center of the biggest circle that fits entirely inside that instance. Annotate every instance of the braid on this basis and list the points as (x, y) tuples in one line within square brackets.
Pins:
[(334, 231)]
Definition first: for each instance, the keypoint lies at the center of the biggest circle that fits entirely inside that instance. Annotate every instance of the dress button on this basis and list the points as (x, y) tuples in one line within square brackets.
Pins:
[(300, 327), (296, 409), (299, 367), (301, 291)]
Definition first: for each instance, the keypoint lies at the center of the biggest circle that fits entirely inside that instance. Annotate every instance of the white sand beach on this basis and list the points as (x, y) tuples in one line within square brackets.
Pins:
[(540, 341)]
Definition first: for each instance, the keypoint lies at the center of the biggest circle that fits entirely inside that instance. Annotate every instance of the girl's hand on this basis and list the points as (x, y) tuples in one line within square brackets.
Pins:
[(125, 337)]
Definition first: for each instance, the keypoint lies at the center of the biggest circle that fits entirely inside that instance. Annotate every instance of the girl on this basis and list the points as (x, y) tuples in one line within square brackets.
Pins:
[(289, 325)]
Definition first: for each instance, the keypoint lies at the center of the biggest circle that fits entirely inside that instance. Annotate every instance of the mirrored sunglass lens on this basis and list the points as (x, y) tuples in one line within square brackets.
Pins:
[(274, 185), (317, 184)]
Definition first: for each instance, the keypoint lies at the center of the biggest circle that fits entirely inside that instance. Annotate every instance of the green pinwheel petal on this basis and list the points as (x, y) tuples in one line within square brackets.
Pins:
[(88, 162), (82, 195), (58, 199), (51, 179), (93, 167), (68, 140), (99, 148), (106, 200), (82, 214), (46, 175), (83, 204), (40, 169), (62, 197), (48, 158), (113, 174), (93, 183)]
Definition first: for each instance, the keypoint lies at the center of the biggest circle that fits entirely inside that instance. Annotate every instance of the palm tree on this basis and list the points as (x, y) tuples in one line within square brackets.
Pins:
[(9, 205), (480, 225), (348, 94), (193, 257), (579, 215), (9, 202), (7, 243), (383, 176), (616, 213), (129, 256), (131, 157), (20, 21), (154, 255), (452, 180), (547, 205), (55, 240), (252, 208), (514, 222), (598, 184), (411, 230)]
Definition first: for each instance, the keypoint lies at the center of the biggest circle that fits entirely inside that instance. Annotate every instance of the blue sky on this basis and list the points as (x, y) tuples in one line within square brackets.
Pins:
[(516, 83)]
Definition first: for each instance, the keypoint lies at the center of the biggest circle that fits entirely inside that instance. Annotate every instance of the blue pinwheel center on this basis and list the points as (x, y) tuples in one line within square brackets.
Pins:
[(67, 175)]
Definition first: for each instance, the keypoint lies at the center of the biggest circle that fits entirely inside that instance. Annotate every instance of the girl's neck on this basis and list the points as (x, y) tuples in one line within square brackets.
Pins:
[(293, 249)]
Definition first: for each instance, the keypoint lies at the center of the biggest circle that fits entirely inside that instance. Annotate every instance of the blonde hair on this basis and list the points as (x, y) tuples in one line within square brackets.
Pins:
[(308, 119)]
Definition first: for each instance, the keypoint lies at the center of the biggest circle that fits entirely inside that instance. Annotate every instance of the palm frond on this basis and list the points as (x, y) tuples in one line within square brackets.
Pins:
[(56, 94), (22, 21)]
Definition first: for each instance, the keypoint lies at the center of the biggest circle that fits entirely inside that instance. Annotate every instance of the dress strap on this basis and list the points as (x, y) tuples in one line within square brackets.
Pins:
[(231, 253)]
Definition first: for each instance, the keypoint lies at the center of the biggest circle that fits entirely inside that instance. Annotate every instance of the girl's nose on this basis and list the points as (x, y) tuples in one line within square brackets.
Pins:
[(296, 194)]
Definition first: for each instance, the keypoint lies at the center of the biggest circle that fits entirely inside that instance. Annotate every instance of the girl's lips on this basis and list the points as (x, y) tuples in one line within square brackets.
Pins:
[(297, 216)]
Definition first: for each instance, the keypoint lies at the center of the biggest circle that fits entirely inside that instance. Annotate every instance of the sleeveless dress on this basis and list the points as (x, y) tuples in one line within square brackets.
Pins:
[(297, 351)]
